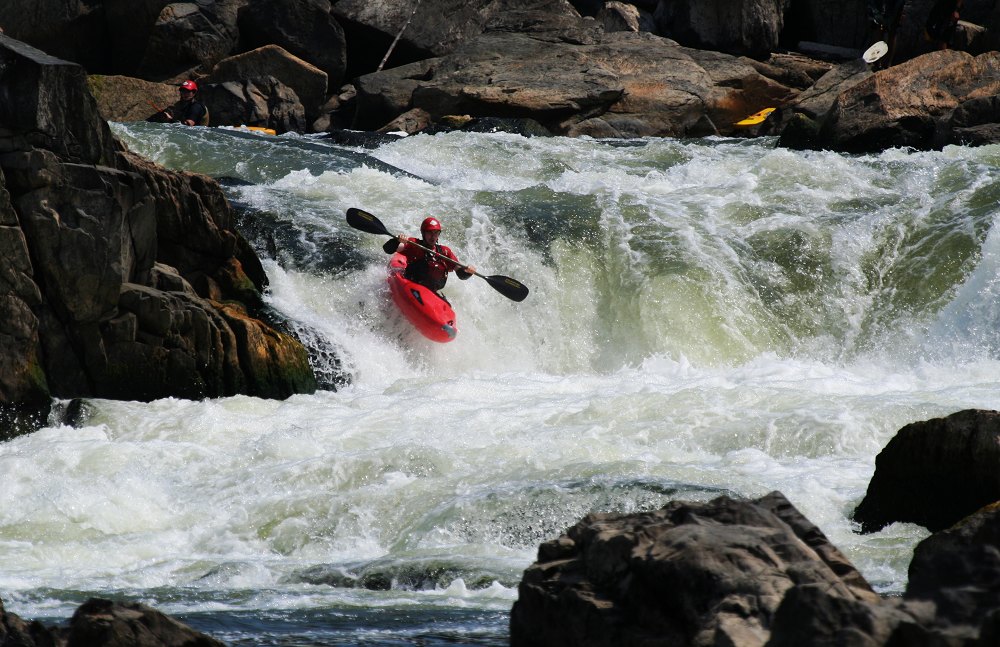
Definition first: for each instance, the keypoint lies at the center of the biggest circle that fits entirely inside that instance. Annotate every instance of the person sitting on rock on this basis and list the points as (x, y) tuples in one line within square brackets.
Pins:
[(189, 110)]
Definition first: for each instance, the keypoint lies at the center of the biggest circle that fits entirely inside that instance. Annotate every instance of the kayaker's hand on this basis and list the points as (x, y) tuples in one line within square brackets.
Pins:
[(470, 269)]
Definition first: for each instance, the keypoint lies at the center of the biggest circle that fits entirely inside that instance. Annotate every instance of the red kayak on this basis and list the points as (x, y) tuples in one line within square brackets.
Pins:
[(424, 308)]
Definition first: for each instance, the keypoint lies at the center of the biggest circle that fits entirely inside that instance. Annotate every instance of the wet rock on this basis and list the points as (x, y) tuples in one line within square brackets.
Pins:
[(751, 574), (959, 569), (935, 472)]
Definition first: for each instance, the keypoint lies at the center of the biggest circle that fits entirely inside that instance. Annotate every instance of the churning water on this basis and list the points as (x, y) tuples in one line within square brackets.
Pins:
[(705, 317)]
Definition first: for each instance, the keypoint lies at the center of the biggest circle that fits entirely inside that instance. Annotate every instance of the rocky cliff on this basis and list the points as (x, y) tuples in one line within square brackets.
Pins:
[(119, 279)]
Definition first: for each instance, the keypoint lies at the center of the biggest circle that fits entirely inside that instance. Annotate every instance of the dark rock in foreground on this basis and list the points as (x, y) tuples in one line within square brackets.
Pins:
[(687, 574), (759, 574), (103, 623)]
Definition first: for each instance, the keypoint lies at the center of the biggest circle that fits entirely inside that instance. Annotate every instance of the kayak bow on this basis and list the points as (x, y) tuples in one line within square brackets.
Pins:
[(428, 311)]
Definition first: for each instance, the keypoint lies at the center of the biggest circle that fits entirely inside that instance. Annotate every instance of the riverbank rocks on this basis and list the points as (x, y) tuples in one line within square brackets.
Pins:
[(122, 279), (684, 68), (935, 472), (308, 81)]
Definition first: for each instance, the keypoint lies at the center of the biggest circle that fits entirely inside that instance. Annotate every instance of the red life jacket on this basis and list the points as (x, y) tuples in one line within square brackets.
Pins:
[(428, 269)]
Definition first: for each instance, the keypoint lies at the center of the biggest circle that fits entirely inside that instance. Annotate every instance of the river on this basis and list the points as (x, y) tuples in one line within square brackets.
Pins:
[(706, 317)]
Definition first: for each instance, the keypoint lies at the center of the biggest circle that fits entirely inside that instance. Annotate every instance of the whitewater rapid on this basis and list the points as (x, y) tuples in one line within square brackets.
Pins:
[(706, 317)]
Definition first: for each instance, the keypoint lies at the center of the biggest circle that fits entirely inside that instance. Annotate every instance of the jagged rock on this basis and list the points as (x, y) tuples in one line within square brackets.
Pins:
[(308, 81), (935, 472), (263, 101), (688, 574), (926, 103), (619, 16)]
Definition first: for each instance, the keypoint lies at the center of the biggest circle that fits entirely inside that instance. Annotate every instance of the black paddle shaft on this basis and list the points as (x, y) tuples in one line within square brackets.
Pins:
[(510, 288)]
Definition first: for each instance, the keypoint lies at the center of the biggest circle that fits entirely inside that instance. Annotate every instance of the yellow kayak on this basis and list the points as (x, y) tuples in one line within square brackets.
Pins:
[(756, 117)]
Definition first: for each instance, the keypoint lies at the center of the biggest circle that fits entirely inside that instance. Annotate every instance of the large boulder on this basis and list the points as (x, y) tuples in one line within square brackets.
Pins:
[(126, 98), (308, 81), (187, 37), (622, 85), (941, 98), (263, 101), (688, 574), (935, 472)]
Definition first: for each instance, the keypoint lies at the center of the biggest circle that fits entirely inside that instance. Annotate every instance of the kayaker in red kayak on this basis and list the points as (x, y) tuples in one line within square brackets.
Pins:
[(422, 267)]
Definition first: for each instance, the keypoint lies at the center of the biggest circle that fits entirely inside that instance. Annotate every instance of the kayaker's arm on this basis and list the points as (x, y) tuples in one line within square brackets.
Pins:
[(463, 272)]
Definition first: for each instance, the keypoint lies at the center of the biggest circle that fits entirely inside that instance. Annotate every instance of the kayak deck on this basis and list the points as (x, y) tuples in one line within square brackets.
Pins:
[(424, 308)]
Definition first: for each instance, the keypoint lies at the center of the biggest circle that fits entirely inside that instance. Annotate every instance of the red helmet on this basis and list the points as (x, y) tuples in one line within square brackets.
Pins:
[(189, 85), (430, 224)]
